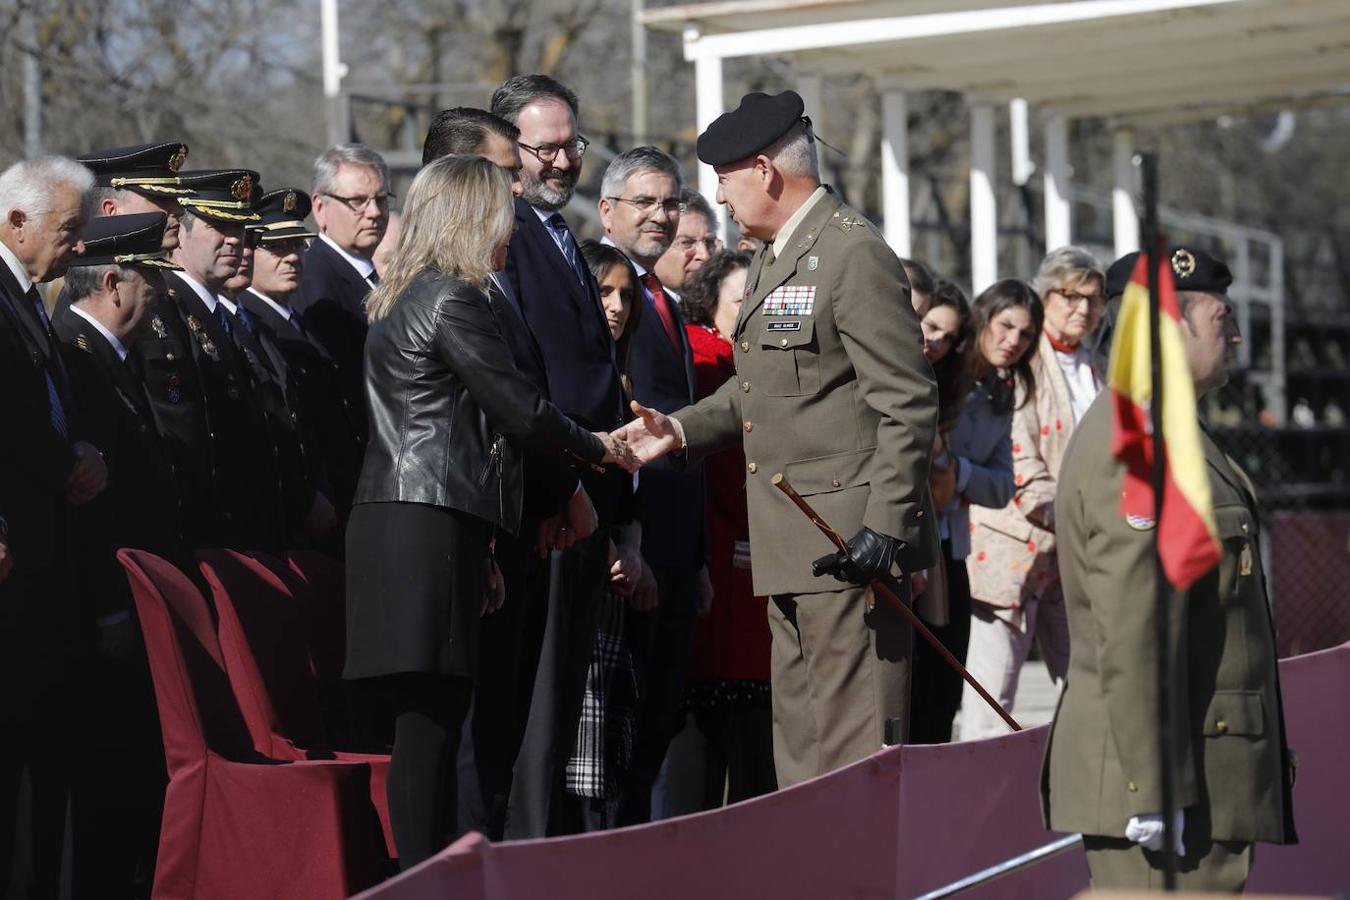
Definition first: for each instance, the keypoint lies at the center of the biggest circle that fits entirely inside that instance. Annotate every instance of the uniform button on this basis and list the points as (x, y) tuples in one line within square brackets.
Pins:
[(745, 346), (834, 482), (748, 425), (919, 514), (783, 342), (168, 357), (745, 387), (752, 468), (1132, 788), (1244, 527), (1221, 726)]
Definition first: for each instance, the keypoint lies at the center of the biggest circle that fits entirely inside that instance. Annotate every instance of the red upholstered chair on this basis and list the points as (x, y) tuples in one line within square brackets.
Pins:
[(238, 823), (263, 637)]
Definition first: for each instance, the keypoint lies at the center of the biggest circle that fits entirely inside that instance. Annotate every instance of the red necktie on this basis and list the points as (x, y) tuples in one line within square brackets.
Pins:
[(662, 304)]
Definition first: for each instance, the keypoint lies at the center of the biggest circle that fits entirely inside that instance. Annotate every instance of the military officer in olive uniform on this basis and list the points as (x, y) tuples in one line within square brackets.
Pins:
[(833, 391), (1233, 770)]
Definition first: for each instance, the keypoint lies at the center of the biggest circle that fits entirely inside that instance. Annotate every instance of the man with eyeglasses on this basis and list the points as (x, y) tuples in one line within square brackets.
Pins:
[(351, 199), (641, 206), (561, 305), (695, 242)]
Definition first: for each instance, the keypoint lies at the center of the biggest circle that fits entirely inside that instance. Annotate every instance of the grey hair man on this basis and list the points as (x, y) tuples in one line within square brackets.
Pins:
[(49, 467), (351, 197)]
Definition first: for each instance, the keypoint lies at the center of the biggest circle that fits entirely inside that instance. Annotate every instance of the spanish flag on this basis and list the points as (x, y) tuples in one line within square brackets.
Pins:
[(1187, 538)]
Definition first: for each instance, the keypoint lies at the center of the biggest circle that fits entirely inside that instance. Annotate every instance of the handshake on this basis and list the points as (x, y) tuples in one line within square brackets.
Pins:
[(648, 437)]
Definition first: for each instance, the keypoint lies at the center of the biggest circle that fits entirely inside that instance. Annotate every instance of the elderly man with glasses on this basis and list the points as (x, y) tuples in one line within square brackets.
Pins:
[(695, 242), (351, 199)]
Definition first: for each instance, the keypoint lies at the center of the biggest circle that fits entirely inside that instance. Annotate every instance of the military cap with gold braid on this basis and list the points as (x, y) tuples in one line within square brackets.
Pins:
[(133, 240), (150, 169), (283, 215), (223, 195)]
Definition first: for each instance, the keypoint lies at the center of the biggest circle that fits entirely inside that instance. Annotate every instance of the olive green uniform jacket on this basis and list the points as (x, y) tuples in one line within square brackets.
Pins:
[(832, 390), (1233, 776)]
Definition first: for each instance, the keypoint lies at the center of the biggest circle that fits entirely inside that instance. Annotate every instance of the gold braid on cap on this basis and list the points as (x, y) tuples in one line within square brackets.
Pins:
[(214, 206)]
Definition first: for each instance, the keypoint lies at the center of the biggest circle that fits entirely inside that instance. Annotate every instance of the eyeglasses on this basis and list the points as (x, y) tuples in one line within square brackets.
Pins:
[(547, 153), (649, 205), (1073, 298), (685, 244), (358, 205)]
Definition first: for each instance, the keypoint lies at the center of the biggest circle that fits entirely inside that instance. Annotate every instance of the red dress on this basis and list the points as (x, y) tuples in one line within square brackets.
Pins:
[(731, 645)]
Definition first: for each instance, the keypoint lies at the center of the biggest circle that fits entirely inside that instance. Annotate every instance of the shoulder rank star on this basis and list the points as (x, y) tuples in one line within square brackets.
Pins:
[(157, 326)]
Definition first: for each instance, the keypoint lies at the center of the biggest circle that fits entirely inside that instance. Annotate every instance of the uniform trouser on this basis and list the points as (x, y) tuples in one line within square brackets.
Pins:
[(997, 651), (560, 632), (839, 673), (1213, 866)]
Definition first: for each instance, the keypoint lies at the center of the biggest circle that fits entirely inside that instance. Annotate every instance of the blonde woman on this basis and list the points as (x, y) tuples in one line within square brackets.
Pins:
[(1014, 572), (448, 414)]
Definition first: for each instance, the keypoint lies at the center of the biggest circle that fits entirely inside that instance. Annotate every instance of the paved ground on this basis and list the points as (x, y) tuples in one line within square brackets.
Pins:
[(1036, 697)]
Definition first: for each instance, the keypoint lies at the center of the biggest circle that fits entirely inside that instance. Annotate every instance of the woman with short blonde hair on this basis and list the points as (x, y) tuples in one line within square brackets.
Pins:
[(449, 414)]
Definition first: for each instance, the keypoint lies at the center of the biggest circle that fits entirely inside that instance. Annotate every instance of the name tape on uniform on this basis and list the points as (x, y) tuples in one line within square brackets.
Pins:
[(791, 300)]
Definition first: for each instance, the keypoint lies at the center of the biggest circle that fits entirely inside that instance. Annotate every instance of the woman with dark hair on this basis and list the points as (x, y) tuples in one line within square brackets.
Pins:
[(448, 416), (976, 459), (728, 684), (1014, 570), (619, 290)]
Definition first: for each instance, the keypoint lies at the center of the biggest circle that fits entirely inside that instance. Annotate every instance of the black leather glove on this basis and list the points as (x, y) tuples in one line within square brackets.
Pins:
[(869, 558)]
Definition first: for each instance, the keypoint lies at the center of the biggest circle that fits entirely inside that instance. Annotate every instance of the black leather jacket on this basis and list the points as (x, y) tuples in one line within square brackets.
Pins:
[(449, 410)]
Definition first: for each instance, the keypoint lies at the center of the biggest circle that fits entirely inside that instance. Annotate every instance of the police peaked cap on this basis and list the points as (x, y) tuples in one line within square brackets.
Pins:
[(132, 240), (150, 169)]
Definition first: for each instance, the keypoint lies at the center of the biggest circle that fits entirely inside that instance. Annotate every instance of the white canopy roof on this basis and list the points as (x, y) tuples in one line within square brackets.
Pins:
[(1134, 61)]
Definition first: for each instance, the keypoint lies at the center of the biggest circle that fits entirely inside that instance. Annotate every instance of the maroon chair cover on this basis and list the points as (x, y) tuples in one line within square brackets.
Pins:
[(263, 638), (237, 823)]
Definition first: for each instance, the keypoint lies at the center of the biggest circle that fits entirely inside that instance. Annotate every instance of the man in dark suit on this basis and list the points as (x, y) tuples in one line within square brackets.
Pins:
[(640, 206), (327, 424), (351, 200), (117, 795), (47, 467), (552, 491), (247, 476), (561, 304)]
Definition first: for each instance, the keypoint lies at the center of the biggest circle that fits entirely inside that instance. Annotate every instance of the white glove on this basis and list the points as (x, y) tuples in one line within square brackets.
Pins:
[(1147, 831)]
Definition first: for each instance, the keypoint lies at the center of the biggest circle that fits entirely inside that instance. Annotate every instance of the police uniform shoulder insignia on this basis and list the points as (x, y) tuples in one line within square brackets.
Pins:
[(157, 326), (83, 343), (1183, 263)]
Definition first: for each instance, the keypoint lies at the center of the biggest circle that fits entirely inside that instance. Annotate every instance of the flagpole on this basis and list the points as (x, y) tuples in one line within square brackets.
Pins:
[(1154, 253)]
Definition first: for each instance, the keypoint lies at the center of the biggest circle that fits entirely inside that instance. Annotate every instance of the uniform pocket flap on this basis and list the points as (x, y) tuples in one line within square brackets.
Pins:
[(822, 474), (787, 334), (1234, 521), (1235, 713)]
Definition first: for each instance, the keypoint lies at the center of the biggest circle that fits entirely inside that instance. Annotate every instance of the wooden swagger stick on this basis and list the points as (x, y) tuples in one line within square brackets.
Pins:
[(890, 596)]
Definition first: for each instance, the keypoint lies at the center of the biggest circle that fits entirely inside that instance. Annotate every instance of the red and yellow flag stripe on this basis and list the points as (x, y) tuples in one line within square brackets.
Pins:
[(1187, 537)]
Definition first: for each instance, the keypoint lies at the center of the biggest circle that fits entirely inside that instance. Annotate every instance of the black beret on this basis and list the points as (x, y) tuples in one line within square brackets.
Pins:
[(145, 168), (133, 240), (760, 120), (1119, 273), (282, 215), (226, 195), (1192, 270)]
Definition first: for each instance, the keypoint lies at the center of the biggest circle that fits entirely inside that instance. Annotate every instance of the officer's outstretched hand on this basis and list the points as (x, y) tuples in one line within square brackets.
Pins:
[(870, 556), (651, 435)]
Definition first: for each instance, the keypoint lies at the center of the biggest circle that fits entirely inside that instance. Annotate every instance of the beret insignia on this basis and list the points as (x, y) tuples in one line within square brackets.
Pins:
[(1183, 263)]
